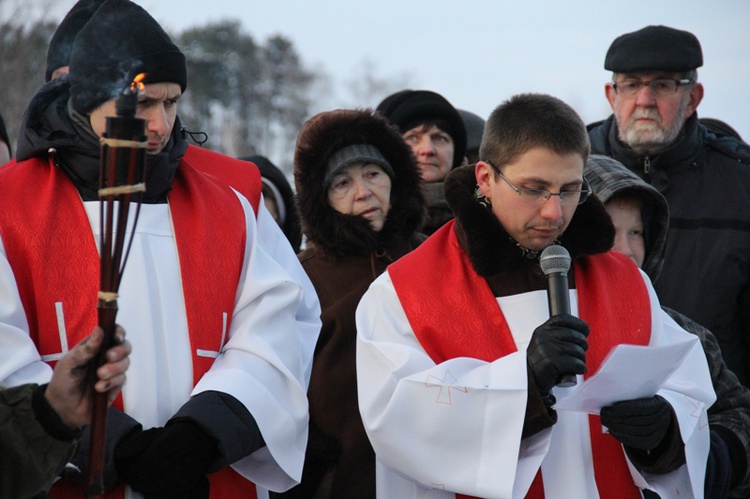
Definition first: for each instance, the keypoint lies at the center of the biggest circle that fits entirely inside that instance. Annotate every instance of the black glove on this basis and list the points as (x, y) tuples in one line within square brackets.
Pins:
[(168, 462), (639, 423), (557, 347), (718, 469)]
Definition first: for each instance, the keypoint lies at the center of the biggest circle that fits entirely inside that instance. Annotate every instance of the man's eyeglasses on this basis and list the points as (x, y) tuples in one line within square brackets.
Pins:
[(539, 196), (660, 87)]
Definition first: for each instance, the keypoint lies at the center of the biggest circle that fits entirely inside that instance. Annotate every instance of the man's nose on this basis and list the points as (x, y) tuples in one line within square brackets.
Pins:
[(552, 208), (157, 121), (645, 96)]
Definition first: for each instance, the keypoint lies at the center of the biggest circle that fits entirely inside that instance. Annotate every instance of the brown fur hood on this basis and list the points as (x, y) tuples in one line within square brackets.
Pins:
[(491, 249), (344, 235)]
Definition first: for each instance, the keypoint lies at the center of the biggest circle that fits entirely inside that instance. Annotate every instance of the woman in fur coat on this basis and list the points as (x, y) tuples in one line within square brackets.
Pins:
[(361, 207)]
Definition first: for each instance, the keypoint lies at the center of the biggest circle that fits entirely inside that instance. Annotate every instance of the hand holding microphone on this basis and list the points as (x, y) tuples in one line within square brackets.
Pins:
[(557, 350)]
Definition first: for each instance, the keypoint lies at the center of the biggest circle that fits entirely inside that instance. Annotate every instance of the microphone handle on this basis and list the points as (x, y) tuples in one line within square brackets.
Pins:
[(559, 303)]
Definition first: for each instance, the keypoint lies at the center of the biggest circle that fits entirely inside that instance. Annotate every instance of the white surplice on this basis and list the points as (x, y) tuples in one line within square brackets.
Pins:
[(267, 355), (456, 427)]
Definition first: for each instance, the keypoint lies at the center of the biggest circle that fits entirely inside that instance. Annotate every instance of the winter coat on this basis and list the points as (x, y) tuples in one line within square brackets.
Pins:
[(729, 417), (343, 256), (706, 181), (30, 454)]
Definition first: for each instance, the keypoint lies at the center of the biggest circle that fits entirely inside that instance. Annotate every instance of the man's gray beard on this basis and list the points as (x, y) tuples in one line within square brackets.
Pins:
[(652, 139)]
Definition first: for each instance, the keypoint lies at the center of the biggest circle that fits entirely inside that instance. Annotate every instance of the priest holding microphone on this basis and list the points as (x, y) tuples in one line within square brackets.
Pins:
[(463, 352)]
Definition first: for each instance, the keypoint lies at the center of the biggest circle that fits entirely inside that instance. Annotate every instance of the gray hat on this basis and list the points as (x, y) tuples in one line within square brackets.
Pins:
[(355, 153), (654, 48)]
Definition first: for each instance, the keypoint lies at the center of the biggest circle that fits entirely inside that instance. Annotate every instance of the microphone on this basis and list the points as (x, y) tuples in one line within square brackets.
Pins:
[(555, 263)]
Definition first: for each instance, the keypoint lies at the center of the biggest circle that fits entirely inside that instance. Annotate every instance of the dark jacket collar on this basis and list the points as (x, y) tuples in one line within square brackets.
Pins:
[(685, 152), (491, 250)]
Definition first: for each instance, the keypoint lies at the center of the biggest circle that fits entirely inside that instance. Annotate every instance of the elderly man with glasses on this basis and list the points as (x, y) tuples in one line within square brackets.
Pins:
[(655, 132), (459, 363)]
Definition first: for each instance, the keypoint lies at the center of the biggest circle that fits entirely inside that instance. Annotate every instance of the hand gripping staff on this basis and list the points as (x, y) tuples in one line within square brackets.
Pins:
[(123, 154)]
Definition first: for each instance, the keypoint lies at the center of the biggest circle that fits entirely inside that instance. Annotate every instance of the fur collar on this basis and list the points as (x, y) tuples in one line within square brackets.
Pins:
[(490, 248)]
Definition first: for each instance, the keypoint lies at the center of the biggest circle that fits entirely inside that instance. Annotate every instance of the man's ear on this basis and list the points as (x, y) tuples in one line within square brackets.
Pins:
[(696, 96), (609, 92), (485, 175)]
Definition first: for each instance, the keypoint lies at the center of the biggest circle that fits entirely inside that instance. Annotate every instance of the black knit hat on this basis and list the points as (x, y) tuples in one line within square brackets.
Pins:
[(61, 44), (120, 41), (409, 108), (656, 48)]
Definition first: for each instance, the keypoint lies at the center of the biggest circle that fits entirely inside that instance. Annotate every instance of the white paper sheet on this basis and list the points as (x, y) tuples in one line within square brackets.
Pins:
[(628, 372)]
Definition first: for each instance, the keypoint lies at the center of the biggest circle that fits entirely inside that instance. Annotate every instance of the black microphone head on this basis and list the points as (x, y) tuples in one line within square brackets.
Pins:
[(554, 259)]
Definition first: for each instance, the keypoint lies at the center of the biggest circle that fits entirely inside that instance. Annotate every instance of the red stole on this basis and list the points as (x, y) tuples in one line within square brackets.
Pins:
[(49, 245), (615, 314)]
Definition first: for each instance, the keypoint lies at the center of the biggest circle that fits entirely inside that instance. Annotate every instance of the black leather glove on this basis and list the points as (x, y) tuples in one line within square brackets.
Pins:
[(557, 347), (168, 462), (639, 423)]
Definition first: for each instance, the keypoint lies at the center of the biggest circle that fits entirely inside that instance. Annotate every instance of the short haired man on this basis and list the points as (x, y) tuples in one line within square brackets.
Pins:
[(458, 360), (435, 131), (655, 132), (221, 315), (640, 215)]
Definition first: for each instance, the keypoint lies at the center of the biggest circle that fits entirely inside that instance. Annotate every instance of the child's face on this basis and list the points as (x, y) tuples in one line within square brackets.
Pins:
[(626, 217)]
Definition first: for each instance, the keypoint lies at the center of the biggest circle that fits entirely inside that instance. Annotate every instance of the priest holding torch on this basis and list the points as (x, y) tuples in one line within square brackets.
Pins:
[(465, 348), (220, 315)]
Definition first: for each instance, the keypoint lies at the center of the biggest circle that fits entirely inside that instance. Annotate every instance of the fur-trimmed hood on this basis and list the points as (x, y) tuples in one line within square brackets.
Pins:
[(490, 248), (344, 235)]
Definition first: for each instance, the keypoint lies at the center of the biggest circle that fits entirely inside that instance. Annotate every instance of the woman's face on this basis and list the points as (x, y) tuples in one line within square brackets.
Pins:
[(363, 190)]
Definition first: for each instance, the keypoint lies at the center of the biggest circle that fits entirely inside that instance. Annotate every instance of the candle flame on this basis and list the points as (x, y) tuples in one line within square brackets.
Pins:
[(137, 83)]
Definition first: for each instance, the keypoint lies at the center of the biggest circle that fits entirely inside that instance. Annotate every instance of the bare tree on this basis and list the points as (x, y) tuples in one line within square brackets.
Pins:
[(248, 98), (23, 54), (368, 88)]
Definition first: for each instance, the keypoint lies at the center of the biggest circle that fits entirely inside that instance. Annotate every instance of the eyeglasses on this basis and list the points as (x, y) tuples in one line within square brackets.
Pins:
[(539, 196), (660, 87)]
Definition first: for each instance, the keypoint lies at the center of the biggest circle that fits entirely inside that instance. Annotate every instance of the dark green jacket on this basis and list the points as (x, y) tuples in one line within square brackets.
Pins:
[(30, 456)]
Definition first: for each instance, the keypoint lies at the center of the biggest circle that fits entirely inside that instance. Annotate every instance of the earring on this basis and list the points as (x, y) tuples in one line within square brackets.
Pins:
[(481, 198)]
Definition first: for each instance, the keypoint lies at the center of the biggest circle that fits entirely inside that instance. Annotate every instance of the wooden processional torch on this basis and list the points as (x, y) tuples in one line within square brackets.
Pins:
[(121, 182)]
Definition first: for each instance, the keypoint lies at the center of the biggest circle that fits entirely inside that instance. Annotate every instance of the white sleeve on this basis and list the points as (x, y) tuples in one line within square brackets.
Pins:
[(264, 366), (417, 414), (273, 240), (19, 359)]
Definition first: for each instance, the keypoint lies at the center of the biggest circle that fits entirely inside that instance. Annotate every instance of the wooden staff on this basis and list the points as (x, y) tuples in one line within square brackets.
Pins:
[(123, 154)]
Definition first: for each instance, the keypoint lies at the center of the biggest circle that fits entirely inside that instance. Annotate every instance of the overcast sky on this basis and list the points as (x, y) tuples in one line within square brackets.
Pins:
[(478, 53)]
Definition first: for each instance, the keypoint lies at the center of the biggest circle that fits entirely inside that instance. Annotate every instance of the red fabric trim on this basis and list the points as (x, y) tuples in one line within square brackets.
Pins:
[(243, 176), (53, 263), (615, 314)]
